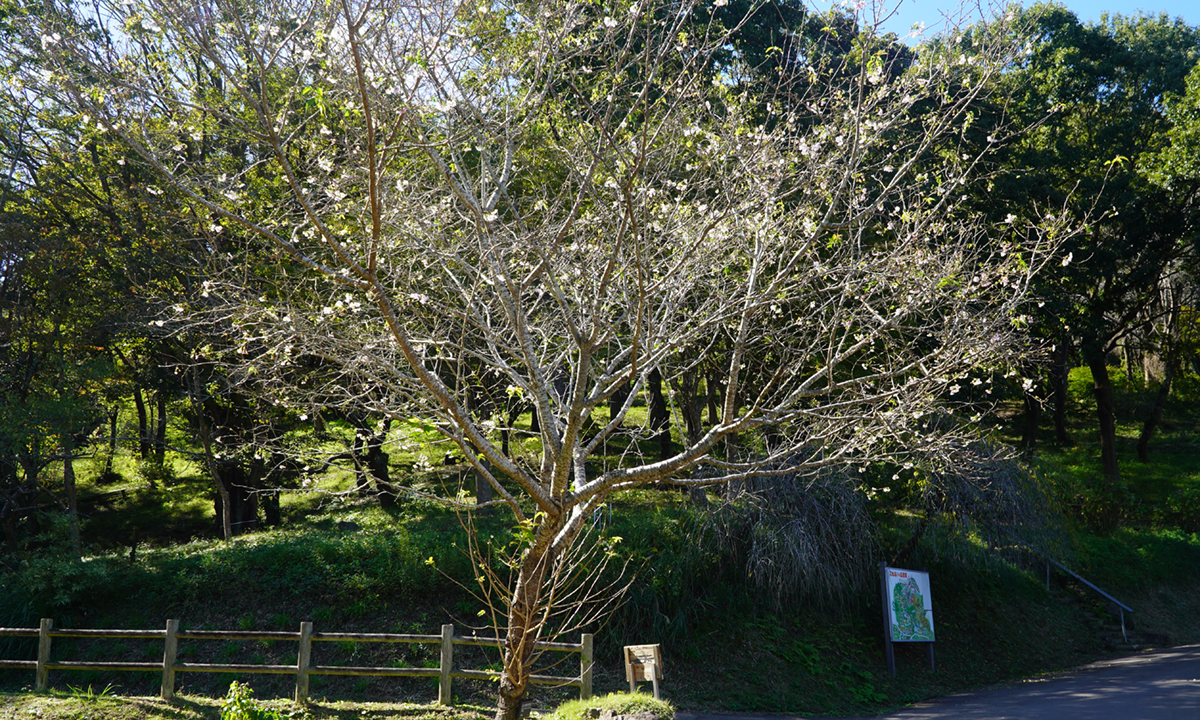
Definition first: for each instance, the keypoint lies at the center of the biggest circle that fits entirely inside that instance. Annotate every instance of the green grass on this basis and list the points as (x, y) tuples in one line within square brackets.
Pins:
[(1163, 492), (623, 703), (726, 647), (57, 705)]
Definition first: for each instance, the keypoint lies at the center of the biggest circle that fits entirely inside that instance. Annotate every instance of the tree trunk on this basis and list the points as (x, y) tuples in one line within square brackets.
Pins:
[(1060, 376), (1102, 390), (714, 395), (525, 615), (359, 455), (1164, 391), (236, 503), (1128, 358), (660, 419), (377, 463), (272, 513), (616, 401), (223, 501), (10, 535), (1033, 412), (483, 489), (143, 429), (68, 446), (160, 428), (687, 395), (113, 415)]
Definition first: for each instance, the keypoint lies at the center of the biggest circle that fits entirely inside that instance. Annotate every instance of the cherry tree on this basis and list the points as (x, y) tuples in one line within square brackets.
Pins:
[(567, 201)]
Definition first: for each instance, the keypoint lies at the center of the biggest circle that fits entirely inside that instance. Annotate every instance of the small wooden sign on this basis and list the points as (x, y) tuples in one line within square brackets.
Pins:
[(637, 658)]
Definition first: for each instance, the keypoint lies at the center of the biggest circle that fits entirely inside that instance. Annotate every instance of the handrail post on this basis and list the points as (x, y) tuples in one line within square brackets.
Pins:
[(447, 664), (303, 662), (43, 675), (585, 668), (170, 646), (1124, 636)]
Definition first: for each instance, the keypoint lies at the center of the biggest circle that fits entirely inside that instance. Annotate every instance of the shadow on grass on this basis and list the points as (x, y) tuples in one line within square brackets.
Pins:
[(57, 705)]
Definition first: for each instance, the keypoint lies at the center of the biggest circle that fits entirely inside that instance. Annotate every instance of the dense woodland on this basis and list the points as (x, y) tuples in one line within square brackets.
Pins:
[(961, 313)]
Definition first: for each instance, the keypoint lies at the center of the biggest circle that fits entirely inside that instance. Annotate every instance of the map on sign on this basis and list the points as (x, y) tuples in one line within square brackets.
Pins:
[(911, 607)]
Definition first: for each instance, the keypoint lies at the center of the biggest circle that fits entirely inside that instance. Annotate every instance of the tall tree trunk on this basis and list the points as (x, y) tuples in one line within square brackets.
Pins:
[(483, 489), (1127, 356), (223, 511), (687, 390), (616, 401), (68, 447), (359, 455), (660, 419), (160, 428), (237, 503), (1151, 424), (143, 429), (714, 395), (10, 503), (9, 523), (1102, 390), (691, 406), (113, 415), (1060, 377), (1033, 412)]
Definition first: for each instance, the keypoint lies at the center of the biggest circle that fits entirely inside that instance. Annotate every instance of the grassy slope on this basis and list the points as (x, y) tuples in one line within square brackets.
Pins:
[(724, 648)]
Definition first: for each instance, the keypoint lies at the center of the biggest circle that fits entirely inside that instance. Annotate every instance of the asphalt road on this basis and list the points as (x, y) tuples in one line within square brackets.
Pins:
[(1159, 685)]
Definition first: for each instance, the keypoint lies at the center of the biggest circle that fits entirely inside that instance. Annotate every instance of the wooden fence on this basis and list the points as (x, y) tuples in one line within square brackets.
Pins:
[(303, 668)]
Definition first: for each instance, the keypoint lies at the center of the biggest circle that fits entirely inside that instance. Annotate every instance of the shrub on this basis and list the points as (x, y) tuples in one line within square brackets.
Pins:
[(619, 703), (240, 704)]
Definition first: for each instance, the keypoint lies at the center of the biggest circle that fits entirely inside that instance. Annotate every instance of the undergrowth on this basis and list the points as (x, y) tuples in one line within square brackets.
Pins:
[(346, 564)]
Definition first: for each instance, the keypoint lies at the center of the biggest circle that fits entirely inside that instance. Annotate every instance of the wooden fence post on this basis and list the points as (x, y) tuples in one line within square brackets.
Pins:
[(585, 668), (447, 664), (170, 646), (303, 661), (43, 675)]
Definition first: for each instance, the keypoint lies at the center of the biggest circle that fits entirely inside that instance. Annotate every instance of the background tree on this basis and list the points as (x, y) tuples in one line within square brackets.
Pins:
[(1096, 94)]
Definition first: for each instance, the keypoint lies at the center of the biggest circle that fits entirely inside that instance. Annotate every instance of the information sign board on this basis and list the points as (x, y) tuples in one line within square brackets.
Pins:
[(640, 657), (910, 606)]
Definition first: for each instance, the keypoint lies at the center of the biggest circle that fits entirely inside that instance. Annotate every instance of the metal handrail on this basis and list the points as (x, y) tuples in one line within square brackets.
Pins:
[(1081, 579), (1122, 608)]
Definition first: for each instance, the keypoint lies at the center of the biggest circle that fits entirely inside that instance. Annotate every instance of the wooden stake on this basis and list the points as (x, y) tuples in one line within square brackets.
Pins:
[(447, 664), (585, 668), (43, 675), (303, 662), (170, 646)]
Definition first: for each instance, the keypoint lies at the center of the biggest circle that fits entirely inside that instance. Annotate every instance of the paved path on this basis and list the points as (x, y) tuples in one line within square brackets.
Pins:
[(1160, 685)]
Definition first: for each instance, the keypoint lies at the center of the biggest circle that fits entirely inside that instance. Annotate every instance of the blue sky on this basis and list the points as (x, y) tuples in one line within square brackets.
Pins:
[(930, 11)]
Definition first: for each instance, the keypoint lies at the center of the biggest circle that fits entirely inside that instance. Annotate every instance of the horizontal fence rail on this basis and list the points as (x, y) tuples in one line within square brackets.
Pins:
[(303, 669)]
